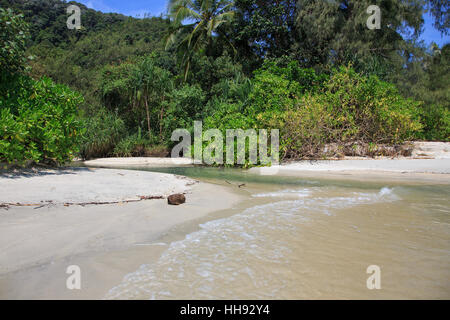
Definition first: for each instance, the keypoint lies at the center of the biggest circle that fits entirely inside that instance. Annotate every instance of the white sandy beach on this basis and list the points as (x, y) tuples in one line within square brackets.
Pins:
[(139, 162), (83, 185), (358, 166), (37, 243), (430, 161)]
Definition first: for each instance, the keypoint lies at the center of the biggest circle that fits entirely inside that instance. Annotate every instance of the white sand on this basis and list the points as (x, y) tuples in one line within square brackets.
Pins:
[(139, 162), (436, 166), (434, 150), (427, 158), (81, 185), (107, 241)]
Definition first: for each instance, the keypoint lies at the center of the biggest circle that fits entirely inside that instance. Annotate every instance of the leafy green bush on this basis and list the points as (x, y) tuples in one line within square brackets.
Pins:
[(38, 121), (276, 88), (436, 121), (186, 104), (138, 145), (351, 108), (133, 145), (101, 134), (314, 110)]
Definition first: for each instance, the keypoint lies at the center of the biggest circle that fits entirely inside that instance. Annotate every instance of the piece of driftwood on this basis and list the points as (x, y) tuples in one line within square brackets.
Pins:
[(68, 204)]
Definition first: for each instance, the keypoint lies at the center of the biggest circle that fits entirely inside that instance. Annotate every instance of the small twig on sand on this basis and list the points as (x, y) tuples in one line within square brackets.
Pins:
[(151, 197)]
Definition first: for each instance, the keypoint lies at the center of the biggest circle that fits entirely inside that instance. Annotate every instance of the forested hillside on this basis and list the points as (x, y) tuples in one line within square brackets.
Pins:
[(310, 68)]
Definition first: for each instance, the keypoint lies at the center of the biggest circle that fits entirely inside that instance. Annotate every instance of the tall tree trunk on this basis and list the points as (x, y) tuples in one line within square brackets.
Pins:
[(161, 119), (148, 117)]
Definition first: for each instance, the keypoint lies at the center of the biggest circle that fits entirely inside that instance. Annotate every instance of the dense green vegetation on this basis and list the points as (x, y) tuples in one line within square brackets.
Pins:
[(37, 117), (310, 68)]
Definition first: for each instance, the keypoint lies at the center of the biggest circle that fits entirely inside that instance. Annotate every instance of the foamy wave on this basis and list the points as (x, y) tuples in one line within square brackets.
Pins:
[(386, 192), (203, 265), (298, 193)]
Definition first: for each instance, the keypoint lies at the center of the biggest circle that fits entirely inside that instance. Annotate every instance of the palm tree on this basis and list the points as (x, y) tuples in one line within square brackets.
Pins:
[(195, 23)]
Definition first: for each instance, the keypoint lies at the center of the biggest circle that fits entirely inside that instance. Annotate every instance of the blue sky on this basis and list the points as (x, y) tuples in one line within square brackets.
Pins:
[(156, 7)]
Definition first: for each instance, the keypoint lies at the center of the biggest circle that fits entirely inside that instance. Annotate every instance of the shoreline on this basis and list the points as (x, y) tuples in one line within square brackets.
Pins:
[(436, 170), (37, 244), (427, 159), (82, 186), (109, 241), (398, 170)]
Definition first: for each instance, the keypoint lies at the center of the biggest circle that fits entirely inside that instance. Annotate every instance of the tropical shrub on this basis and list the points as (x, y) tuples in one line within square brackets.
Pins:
[(185, 105), (436, 121), (140, 145), (277, 87), (102, 132), (38, 121), (133, 145), (314, 110), (351, 108)]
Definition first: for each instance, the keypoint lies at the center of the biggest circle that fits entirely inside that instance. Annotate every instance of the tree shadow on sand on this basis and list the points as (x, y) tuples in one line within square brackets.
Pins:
[(39, 171)]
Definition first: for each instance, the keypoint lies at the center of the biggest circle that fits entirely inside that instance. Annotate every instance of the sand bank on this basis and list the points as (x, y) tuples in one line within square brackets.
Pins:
[(426, 157), (429, 161), (435, 166), (139, 162), (434, 171), (37, 244), (84, 185)]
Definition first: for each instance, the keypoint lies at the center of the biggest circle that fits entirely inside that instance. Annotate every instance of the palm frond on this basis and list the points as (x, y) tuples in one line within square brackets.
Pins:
[(208, 16)]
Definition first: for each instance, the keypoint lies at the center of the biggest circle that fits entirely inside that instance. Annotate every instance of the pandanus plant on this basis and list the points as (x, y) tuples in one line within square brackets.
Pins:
[(150, 85)]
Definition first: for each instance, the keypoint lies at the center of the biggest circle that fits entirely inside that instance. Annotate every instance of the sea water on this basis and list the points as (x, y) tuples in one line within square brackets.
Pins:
[(307, 239)]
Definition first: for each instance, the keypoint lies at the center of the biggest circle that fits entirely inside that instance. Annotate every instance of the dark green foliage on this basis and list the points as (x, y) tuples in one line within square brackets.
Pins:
[(252, 64), (185, 105), (196, 27), (49, 17), (38, 122), (79, 63), (101, 134), (265, 28), (335, 32), (313, 110), (139, 91), (209, 71), (13, 36), (438, 80), (436, 121), (139, 145)]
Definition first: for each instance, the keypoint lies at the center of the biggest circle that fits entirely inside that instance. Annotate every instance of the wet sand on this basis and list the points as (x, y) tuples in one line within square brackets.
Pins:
[(37, 244)]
